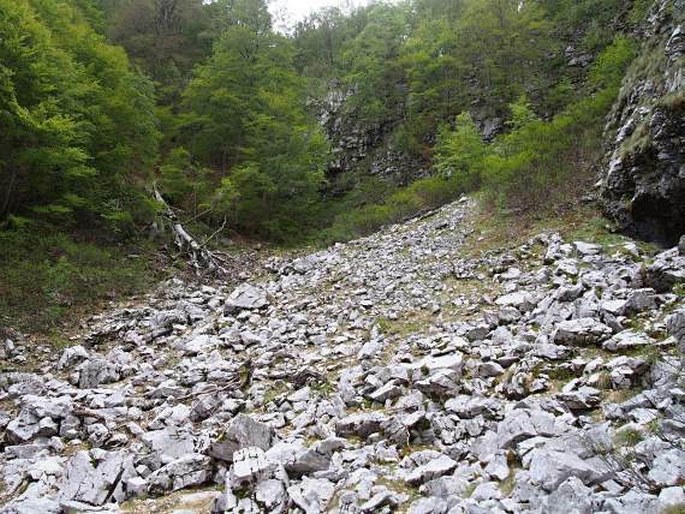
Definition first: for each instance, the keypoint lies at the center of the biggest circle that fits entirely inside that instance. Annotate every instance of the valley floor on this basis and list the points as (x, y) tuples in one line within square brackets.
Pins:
[(394, 373)]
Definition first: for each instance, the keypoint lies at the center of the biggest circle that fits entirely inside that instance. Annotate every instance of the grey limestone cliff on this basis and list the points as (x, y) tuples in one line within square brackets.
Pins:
[(644, 183)]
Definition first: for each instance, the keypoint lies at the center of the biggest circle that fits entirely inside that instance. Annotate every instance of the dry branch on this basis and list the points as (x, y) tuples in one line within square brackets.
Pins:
[(200, 258)]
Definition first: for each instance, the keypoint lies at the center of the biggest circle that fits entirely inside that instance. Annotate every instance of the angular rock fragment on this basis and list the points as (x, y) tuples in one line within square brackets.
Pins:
[(581, 331), (522, 424), (312, 495), (242, 432), (571, 496), (96, 477), (521, 300), (583, 398), (667, 270), (188, 471), (94, 372), (246, 297), (361, 424), (249, 464), (550, 468), (626, 340), (434, 468)]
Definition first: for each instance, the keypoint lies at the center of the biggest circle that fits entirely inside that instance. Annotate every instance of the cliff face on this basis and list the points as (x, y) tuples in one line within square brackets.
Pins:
[(644, 184), (363, 147)]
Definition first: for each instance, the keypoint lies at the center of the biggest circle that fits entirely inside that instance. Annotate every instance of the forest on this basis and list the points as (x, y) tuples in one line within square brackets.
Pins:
[(104, 102)]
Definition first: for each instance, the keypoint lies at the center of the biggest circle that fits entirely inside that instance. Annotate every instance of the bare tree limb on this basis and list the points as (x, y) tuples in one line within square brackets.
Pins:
[(202, 259)]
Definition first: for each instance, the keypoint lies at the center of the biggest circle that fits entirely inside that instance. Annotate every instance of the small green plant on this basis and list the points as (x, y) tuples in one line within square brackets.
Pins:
[(679, 290), (654, 426), (627, 437), (324, 388)]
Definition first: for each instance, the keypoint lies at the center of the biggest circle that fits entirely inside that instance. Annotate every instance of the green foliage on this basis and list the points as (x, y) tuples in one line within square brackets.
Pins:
[(611, 64), (77, 124), (420, 196), (627, 437), (46, 276), (184, 183), (478, 56), (81, 128), (164, 37), (522, 114), (540, 163), (639, 11), (590, 18), (461, 152), (246, 119), (370, 64), (320, 38)]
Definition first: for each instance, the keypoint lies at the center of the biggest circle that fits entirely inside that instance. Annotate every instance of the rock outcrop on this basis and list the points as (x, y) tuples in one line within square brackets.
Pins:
[(391, 373), (365, 147), (644, 185)]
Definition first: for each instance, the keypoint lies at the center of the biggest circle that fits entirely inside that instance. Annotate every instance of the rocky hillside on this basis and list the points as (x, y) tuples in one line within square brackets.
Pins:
[(393, 373), (645, 179)]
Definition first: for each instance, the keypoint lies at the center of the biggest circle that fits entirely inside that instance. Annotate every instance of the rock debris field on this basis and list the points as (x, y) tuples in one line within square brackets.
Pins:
[(391, 374)]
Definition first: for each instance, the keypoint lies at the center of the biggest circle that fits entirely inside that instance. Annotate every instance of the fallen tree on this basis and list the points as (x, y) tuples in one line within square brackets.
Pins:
[(198, 255)]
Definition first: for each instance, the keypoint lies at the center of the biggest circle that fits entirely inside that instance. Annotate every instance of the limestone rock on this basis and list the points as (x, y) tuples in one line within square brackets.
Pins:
[(246, 297), (550, 468), (581, 331), (188, 471), (242, 432)]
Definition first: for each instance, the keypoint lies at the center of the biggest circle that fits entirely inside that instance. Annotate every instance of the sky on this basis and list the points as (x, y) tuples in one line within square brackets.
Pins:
[(287, 13)]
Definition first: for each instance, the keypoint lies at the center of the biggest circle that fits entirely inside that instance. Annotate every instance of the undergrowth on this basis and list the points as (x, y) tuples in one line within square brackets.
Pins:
[(48, 277)]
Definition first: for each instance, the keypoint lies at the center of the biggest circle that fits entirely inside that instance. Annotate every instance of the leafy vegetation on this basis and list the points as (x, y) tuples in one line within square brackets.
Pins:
[(47, 278), (101, 101)]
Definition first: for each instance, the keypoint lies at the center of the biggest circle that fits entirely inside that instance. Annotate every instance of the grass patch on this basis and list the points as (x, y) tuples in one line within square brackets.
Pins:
[(323, 389), (356, 218), (627, 437), (496, 230), (406, 324), (674, 509), (48, 278)]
